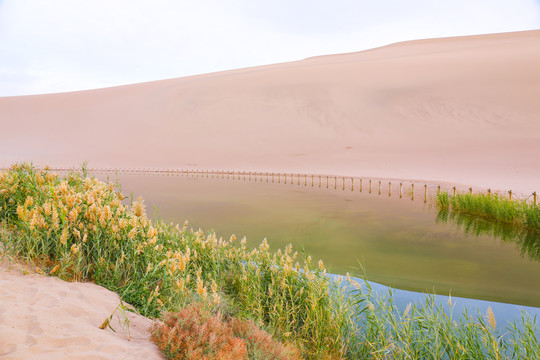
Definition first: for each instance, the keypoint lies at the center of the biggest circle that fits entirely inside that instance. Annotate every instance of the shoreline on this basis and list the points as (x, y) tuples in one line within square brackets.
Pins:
[(431, 184)]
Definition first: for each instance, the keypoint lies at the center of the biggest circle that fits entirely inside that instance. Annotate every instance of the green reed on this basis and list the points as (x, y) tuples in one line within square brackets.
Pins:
[(515, 221), (80, 228), (493, 207)]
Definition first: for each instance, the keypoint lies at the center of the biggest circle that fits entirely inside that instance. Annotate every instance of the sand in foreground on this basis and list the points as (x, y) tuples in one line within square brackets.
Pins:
[(47, 318)]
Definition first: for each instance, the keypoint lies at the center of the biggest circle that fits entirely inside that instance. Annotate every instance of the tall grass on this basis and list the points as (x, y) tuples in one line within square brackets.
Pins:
[(78, 228), (493, 207), (430, 330), (527, 240), (510, 220)]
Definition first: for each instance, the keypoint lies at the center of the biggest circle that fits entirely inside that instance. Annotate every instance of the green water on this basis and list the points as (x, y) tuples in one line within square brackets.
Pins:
[(399, 242)]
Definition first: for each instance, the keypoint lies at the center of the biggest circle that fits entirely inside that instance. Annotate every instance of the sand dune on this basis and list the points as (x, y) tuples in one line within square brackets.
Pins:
[(462, 109), (46, 318)]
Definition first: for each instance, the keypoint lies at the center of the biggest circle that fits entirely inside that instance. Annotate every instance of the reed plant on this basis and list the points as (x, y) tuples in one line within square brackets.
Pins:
[(493, 207), (431, 330), (78, 228), (515, 221), (527, 240)]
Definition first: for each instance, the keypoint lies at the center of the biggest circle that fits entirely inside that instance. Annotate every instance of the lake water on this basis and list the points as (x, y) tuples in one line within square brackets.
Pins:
[(398, 241)]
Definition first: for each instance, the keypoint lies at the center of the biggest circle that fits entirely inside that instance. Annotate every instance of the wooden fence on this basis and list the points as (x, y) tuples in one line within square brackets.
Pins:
[(345, 183)]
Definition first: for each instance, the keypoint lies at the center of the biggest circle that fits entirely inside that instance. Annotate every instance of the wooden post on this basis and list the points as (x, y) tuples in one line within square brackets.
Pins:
[(352, 184), (319, 180), (454, 188), (400, 190), (267, 176), (412, 191), (438, 189), (343, 178), (272, 177), (425, 193), (360, 185), (510, 195), (327, 181), (311, 180), (389, 188), (279, 178), (534, 197), (335, 182), (370, 186), (285, 178), (379, 187), (298, 179)]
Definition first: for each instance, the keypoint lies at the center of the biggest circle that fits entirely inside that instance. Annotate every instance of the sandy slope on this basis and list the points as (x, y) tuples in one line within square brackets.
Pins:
[(461, 109), (46, 318)]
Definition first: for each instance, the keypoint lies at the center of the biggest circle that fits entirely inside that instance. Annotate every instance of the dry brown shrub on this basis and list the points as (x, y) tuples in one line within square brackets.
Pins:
[(194, 333)]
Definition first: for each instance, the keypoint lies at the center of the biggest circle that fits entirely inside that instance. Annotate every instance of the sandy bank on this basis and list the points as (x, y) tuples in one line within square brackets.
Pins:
[(47, 318)]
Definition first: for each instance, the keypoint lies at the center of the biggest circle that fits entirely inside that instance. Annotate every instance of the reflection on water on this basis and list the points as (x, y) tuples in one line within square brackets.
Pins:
[(398, 241), (527, 240)]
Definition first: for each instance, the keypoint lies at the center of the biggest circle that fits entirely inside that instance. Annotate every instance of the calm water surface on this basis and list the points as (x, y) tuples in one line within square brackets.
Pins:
[(398, 241)]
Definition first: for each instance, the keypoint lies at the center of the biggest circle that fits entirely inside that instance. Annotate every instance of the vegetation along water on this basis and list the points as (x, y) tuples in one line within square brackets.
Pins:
[(79, 228)]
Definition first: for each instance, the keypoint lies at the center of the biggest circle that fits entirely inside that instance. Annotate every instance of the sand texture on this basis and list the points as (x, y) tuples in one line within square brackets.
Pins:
[(463, 110), (47, 318)]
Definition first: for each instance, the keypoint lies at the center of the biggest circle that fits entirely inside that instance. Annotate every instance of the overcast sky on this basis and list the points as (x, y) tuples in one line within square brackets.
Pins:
[(64, 45)]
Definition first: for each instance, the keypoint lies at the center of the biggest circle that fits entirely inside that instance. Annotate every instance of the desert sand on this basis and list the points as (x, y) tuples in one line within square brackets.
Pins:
[(47, 318), (462, 110)]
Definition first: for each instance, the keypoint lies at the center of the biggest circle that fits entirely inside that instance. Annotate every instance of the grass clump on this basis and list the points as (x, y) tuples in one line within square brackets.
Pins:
[(493, 207), (510, 220), (195, 333), (430, 330)]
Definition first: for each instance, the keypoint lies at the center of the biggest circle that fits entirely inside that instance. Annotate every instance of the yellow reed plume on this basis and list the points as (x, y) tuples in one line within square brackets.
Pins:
[(64, 236), (55, 269), (138, 207), (491, 317)]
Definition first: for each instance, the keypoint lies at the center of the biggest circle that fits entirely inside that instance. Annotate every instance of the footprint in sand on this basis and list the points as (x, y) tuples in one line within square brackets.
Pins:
[(6, 349), (70, 341), (30, 341), (74, 311), (34, 328)]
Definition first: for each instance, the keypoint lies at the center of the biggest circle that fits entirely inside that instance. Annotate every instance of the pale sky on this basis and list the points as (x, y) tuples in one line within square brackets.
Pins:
[(65, 45)]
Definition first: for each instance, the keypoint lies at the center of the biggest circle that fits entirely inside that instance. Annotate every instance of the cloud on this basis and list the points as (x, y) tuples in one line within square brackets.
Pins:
[(63, 45)]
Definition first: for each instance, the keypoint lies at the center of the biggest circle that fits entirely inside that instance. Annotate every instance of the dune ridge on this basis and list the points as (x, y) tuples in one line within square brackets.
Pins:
[(461, 109)]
